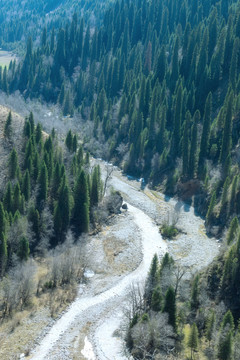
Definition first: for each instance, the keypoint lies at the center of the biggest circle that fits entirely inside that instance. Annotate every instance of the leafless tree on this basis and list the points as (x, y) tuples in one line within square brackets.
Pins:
[(153, 336), (109, 171)]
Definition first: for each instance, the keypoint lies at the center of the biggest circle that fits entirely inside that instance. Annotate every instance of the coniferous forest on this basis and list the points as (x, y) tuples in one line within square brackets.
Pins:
[(159, 82)]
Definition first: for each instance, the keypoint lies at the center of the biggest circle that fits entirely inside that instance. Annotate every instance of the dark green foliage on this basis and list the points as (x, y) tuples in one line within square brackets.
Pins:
[(205, 134), (193, 339), (225, 346), (195, 293), (43, 184), (8, 126), (170, 307), (26, 186), (210, 326), (23, 251), (232, 232), (157, 298), (69, 140), (13, 164), (81, 204)]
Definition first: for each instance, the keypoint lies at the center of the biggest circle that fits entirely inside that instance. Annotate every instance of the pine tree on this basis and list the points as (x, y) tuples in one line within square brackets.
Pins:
[(193, 339), (17, 198), (23, 250), (151, 281), (3, 253), (233, 229), (193, 146), (211, 323), (195, 293), (177, 122), (69, 140), (205, 134), (227, 131), (157, 298), (67, 106), (38, 133), (170, 307), (95, 189), (212, 204), (81, 204), (225, 338), (74, 143), (26, 186), (8, 126), (185, 146), (8, 198), (43, 184), (13, 164)]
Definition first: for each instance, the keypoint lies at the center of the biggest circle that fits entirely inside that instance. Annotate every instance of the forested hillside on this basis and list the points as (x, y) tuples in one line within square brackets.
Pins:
[(19, 19), (159, 82)]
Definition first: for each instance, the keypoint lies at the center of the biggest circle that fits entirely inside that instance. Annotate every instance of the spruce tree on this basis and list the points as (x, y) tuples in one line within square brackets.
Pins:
[(233, 229), (23, 249), (3, 253), (227, 131), (195, 293), (193, 146), (81, 204), (170, 307), (205, 134), (157, 298), (185, 146), (211, 206), (13, 164), (26, 186), (193, 339), (69, 140), (211, 323), (8, 198), (8, 126), (43, 184), (177, 122)]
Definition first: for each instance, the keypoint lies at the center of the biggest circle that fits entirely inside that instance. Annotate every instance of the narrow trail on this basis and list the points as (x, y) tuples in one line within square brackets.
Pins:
[(152, 243)]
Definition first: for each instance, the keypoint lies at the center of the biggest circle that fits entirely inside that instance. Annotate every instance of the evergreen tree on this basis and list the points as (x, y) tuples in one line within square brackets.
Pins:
[(170, 307), (193, 146), (26, 186), (193, 339), (177, 122), (233, 229), (212, 204), (43, 184), (3, 253), (205, 134), (185, 146), (8, 126), (38, 133), (156, 301), (8, 198), (69, 140), (13, 164), (81, 204), (227, 131), (195, 293), (211, 323), (23, 250)]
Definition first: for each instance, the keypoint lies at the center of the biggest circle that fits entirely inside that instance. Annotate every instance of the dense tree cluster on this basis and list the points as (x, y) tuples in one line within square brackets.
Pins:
[(50, 190), (169, 317), (159, 80)]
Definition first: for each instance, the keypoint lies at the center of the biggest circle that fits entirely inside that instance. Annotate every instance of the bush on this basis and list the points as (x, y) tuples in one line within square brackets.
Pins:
[(169, 231)]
